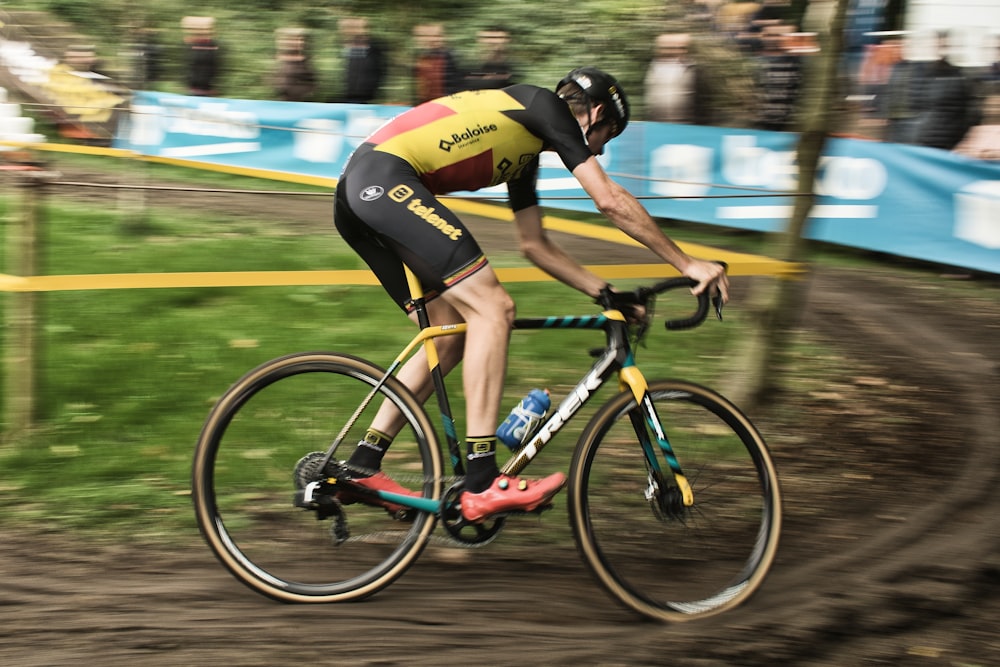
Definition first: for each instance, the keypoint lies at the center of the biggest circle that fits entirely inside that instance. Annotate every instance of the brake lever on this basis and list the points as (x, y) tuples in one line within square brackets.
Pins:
[(717, 299), (717, 302)]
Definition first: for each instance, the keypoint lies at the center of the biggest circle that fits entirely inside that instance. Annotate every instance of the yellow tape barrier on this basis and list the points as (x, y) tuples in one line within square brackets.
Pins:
[(740, 264)]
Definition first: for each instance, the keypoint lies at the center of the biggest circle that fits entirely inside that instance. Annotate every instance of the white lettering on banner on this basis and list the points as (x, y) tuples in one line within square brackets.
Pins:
[(360, 125), (977, 214), (146, 125), (682, 170), (318, 140), (842, 211), (208, 150), (214, 119), (746, 164), (851, 177)]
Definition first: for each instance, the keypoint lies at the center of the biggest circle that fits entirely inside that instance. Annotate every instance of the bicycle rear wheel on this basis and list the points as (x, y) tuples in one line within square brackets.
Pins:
[(246, 472), (664, 560)]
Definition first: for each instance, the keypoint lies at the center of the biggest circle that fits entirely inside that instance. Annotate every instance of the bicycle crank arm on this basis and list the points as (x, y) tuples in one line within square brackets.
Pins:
[(312, 495), (422, 504)]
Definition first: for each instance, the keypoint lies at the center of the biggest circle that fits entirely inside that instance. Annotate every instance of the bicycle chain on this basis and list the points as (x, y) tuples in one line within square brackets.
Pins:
[(308, 470)]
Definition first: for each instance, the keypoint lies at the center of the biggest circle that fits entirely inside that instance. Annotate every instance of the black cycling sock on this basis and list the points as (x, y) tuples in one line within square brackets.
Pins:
[(481, 463), (370, 450)]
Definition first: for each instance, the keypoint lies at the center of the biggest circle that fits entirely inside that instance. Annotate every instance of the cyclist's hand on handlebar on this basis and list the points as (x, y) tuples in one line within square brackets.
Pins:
[(711, 276), (629, 303)]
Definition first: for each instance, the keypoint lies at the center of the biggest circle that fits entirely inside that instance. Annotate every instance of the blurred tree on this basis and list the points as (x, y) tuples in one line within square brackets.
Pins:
[(775, 304)]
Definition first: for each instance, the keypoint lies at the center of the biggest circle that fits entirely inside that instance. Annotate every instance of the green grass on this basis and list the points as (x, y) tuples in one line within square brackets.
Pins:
[(127, 377)]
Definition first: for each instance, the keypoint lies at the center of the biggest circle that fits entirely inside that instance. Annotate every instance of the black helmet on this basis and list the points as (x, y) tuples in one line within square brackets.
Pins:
[(602, 88)]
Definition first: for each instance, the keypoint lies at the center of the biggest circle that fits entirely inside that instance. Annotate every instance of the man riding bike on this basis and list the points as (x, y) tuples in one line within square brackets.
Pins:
[(387, 211)]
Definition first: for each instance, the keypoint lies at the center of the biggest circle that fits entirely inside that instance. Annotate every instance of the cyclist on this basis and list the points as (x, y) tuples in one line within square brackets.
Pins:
[(387, 212)]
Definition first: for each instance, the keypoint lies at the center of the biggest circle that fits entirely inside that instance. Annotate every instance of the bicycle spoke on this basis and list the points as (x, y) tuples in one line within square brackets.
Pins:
[(246, 478), (659, 557)]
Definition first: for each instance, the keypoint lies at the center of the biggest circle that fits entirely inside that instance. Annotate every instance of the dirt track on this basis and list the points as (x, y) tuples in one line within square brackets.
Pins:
[(890, 555)]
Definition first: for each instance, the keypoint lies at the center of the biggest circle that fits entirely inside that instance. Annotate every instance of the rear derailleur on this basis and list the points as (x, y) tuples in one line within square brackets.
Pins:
[(314, 492)]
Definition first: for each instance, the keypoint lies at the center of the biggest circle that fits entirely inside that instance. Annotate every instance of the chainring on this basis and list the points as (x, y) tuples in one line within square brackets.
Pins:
[(461, 529), (308, 469)]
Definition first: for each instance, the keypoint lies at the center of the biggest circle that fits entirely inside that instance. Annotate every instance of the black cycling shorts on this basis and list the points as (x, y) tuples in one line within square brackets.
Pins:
[(389, 217)]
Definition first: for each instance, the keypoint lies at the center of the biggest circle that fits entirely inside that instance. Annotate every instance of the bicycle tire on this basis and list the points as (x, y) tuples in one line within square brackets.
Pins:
[(706, 558), (244, 480)]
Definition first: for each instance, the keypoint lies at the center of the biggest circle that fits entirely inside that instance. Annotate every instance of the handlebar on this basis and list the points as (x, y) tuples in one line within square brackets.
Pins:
[(697, 317), (642, 296)]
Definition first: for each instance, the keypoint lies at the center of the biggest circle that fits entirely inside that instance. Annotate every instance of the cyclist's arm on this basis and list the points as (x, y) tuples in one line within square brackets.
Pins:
[(546, 255), (629, 215)]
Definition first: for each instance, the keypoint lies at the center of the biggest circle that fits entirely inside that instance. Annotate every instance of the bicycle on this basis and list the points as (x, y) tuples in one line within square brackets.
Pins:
[(674, 528)]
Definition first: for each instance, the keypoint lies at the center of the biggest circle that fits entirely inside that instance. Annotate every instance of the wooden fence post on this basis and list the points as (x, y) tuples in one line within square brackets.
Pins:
[(21, 312)]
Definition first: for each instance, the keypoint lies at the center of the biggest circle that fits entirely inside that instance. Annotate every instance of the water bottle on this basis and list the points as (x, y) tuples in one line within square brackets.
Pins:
[(520, 425)]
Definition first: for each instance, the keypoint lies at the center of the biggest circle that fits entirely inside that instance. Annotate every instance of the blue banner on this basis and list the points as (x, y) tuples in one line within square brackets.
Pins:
[(908, 201), (304, 138)]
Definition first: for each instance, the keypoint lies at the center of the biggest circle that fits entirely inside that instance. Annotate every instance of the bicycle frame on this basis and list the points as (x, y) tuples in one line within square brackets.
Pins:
[(616, 359)]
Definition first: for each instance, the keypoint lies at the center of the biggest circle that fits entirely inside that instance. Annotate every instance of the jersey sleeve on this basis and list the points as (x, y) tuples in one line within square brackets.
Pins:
[(548, 117), (523, 189)]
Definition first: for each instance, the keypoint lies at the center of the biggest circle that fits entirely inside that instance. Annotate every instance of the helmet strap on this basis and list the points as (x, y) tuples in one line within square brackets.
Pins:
[(593, 125)]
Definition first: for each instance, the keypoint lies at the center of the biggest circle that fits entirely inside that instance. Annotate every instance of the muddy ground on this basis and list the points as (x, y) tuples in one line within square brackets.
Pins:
[(890, 553)]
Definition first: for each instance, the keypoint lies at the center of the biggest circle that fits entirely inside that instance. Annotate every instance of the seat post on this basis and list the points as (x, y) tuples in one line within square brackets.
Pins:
[(417, 297)]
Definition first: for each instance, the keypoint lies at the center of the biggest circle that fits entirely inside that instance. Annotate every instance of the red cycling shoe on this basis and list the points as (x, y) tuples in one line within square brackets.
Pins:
[(377, 482), (508, 494)]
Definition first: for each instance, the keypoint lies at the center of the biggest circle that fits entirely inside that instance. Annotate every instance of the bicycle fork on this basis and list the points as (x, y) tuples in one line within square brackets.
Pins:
[(645, 420)]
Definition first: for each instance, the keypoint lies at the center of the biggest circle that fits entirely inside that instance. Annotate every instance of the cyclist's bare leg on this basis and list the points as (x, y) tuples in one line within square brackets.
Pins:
[(489, 315), (488, 312), (483, 304), (388, 420)]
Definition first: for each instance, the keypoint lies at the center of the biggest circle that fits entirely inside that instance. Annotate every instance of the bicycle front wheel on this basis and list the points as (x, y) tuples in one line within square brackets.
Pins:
[(263, 441), (660, 558)]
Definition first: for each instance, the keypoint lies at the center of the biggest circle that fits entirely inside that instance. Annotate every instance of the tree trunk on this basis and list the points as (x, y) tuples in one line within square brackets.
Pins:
[(774, 303)]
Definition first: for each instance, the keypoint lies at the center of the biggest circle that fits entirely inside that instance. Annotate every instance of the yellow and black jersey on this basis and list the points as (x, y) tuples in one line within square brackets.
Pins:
[(476, 139)]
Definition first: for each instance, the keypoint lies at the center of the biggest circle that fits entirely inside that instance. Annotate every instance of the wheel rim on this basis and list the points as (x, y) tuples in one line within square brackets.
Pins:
[(245, 487), (672, 567)]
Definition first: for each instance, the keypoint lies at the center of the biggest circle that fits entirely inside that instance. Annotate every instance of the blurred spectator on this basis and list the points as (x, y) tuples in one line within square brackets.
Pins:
[(365, 62), (83, 58), (898, 105), (733, 18), (771, 12), (945, 101), (494, 69), (983, 141), (876, 69), (992, 76), (675, 89), (778, 80), (203, 56), (146, 57), (435, 71), (294, 76)]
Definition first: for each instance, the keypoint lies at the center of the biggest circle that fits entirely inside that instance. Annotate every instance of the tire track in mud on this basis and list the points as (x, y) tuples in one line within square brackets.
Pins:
[(928, 578), (940, 564)]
